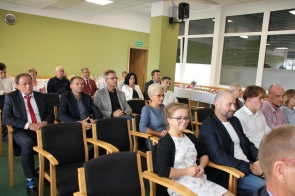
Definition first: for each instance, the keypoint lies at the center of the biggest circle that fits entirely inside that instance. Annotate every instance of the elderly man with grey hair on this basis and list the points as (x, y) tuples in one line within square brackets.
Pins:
[(236, 90), (58, 84)]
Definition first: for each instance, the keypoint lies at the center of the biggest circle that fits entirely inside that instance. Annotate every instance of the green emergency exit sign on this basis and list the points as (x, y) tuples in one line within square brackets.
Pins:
[(138, 43)]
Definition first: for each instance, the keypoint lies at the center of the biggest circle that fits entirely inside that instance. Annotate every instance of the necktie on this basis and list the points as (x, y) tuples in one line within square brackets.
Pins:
[(32, 114), (88, 87)]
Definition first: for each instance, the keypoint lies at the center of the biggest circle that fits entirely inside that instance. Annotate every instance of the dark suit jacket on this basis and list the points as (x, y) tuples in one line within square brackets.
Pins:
[(220, 148), (68, 108), (261, 192), (92, 86), (146, 87), (14, 111)]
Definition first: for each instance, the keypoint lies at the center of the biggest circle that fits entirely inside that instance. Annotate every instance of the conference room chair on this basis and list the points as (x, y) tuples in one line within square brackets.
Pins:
[(136, 106), (200, 116), (53, 101), (234, 174), (62, 149), (139, 141), (106, 175), (115, 131), (1, 128), (13, 150)]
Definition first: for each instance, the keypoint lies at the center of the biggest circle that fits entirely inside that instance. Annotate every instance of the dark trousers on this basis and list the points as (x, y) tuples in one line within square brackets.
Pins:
[(26, 139)]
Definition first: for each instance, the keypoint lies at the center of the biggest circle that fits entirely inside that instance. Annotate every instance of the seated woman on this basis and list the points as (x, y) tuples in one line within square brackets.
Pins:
[(131, 89), (37, 85), (152, 118), (177, 154), (288, 106)]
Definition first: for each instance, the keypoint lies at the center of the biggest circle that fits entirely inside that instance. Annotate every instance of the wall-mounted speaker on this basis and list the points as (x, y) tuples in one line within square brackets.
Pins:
[(183, 11)]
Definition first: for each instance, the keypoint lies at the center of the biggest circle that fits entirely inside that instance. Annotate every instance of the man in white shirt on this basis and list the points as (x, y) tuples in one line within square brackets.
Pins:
[(252, 119), (102, 83), (169, 95), (6, 82)]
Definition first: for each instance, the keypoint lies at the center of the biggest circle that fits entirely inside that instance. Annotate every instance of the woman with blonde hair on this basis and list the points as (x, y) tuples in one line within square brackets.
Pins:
[(37, 85), (288, 106), (177, 155), (152, 118)]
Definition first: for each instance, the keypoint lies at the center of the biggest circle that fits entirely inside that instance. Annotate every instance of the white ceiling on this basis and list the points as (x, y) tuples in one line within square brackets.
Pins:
[(137, 5)]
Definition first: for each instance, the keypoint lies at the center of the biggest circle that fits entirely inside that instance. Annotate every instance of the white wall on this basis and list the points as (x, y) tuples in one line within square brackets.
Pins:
[(125, 19)]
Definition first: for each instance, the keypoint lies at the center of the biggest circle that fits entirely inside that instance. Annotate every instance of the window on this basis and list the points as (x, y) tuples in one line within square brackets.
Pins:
[(244, 23), (240, 59), (282, 20), (204, 26), (199, 50), (279, 64)]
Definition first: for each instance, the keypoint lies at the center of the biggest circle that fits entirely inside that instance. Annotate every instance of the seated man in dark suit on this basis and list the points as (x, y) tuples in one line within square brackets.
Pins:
[(76, 106), (111, 101), (26, 111), (277, 159), (223, 138), (156, 76)]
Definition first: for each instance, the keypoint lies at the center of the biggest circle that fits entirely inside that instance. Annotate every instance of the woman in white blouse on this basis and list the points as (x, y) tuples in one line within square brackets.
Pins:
[(37, 85), (131, 89)]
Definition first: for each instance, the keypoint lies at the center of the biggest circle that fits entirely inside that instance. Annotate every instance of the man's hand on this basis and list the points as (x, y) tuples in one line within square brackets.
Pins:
[(85, 123), (256, 169), (34, 126), (41, 124), (118, 113)]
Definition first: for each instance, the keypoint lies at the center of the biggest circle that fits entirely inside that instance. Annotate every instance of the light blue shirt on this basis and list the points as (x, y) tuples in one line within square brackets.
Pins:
[(289, 115), (153, 118)]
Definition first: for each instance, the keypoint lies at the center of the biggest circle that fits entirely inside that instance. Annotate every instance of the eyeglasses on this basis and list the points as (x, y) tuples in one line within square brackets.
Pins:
[(179, 119), (287, 159), (160, 95), (113, 78)]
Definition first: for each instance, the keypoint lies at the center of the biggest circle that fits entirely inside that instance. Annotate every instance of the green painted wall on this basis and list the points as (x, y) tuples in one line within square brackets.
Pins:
[(162, 47), (45, 43)]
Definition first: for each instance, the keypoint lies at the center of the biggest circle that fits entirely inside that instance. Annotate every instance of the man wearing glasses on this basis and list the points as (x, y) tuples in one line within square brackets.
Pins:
[(111, 101), (277, 159), (223, 138)]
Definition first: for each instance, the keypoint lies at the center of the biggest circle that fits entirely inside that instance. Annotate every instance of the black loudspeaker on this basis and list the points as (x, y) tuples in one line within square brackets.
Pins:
[(183, 11)]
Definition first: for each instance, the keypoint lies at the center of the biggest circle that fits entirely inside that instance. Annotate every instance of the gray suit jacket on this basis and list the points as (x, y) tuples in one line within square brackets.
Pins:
[(103, 101)]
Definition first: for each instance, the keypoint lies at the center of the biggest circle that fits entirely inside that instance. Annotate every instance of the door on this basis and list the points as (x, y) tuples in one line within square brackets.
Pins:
[(138, 58)]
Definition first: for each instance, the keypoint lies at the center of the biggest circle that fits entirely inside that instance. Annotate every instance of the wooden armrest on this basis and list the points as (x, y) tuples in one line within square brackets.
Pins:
[(232, 171), (140, 134), (195, 107), (155, 140), (78, 194), (9, 128), (46, 154), (179, 188), (107, 146), (133, 114), (188, 131)]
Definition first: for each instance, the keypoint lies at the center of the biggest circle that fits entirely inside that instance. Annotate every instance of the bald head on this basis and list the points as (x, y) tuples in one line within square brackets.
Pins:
[(224, 105), (276, 95), (105, 70)]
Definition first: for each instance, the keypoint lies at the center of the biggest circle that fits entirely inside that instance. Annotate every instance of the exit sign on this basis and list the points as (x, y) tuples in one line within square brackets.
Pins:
[(138, 43)]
